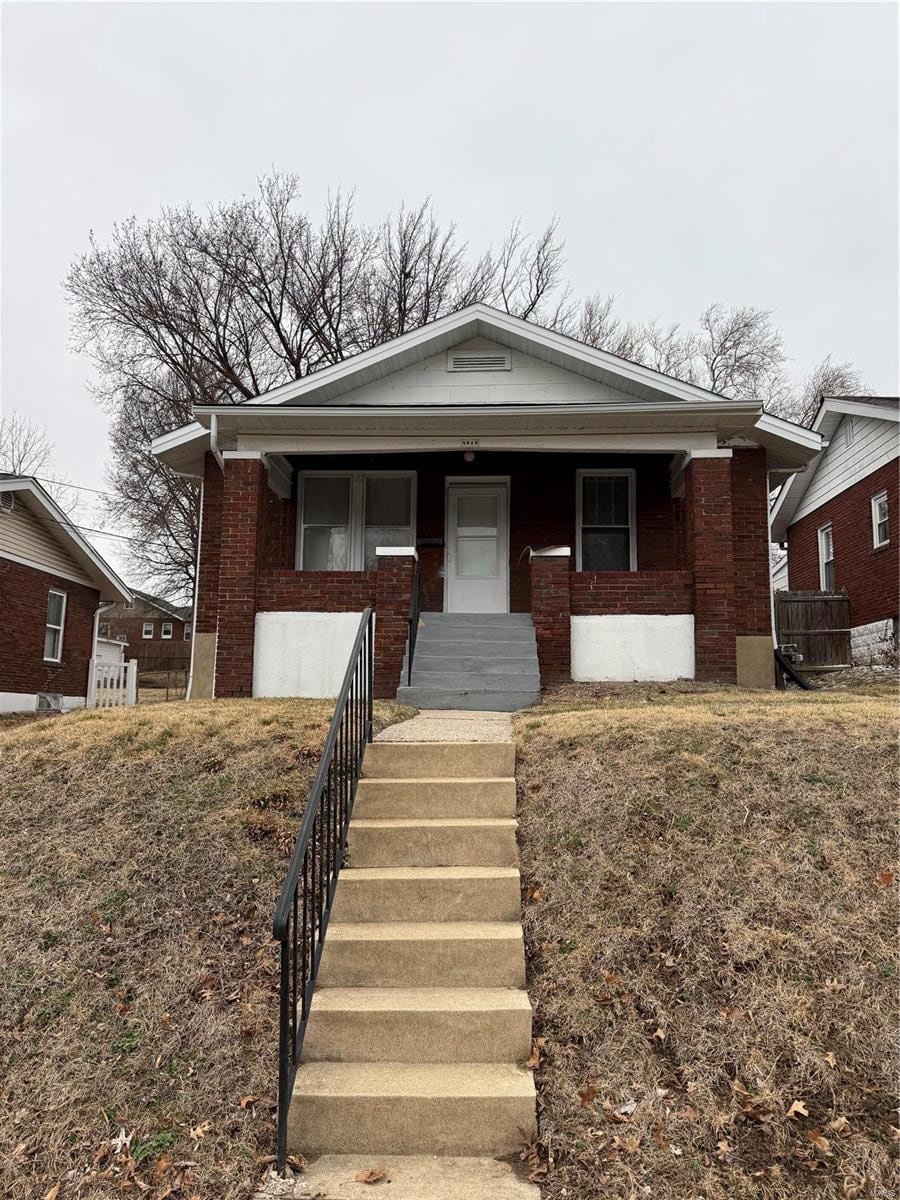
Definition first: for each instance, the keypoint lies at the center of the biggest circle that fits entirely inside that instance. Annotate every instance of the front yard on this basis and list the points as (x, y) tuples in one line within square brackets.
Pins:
[(141, 855), (710, 884)]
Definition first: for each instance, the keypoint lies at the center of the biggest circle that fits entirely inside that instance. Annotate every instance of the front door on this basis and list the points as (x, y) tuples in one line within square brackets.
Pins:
[(477, 548)]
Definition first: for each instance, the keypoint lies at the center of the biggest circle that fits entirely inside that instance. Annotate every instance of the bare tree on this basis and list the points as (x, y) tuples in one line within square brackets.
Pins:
[(218, 307), (826, 379), (25, 449)]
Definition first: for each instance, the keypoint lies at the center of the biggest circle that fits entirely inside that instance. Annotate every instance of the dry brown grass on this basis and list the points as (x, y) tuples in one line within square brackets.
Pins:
[(141, 856), (712, 937)]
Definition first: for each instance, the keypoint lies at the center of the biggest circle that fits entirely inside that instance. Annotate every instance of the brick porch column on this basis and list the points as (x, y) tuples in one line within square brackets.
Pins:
[(711, 556), (245, 480), (393, 590), (752, 594), (206, 584), (551, 611)]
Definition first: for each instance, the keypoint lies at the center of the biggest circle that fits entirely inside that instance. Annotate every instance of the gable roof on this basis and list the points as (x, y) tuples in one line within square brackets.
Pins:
[(179, 612), (829, 415), (619, 396), (60, 527)]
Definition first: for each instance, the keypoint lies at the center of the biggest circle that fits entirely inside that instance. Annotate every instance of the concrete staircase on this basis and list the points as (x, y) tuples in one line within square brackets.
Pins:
[(421, 1022), (484, 661)]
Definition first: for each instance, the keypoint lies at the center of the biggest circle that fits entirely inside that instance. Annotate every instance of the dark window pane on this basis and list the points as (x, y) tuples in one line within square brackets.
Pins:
[(828, 573), (605, 550), (604, 499)]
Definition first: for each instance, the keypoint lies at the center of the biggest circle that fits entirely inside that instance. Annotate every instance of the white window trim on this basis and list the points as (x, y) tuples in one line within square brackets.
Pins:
[(145, 625), (187, 631), (820, 538), (357, 513), (62, 622), (873, 507), (164, 625), (631, 475)]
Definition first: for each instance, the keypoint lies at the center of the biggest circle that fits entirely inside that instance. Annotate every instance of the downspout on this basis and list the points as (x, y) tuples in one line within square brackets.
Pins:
[(101, 608), (190, 681)]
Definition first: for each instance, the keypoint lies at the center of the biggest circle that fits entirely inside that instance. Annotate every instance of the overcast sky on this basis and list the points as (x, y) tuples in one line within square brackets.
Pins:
[(743, 153)]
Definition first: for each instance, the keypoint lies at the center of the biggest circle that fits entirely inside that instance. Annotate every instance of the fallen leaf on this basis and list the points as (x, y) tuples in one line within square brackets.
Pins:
[(373, 1175), (587, 1096), (248, 1100), (660, 1034), (688, 1113), (534, 1059), (839, 1125), (830, 1059), (53, 1193), (821, 1143), (798, 1108), (884, 878), (200, 1131), (631, 1145), (723, 1149), (533, 894)]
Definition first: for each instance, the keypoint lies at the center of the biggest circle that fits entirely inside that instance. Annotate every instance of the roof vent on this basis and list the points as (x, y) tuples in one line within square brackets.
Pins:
[(7, 502), (477, 360)]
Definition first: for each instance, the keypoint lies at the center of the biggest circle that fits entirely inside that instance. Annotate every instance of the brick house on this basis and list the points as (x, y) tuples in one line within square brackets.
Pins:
[(612, 520), (839, 517), (154, 631), (53, 588)]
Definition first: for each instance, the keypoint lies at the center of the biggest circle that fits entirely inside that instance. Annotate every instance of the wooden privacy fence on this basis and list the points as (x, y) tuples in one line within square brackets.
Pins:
[(817, 625), (111, 684)]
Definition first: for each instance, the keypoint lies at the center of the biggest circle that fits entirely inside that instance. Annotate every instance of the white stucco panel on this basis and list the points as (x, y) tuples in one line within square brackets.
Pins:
[(623, 647), (302, 653)]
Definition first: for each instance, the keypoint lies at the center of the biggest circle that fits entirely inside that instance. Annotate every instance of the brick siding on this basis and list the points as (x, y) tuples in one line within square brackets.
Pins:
[(750, 519), (23, 616), (394, 579), (710, 544), (240, 547), (207, 597), (551, 613), (647, 592), (315, 591), (869, 575)]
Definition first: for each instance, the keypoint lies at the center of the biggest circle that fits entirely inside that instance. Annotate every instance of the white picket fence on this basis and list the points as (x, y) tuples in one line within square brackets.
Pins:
[(112, 684)]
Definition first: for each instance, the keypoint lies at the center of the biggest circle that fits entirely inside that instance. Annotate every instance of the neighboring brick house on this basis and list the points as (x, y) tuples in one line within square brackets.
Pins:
[(155, 632), (840, 519), (624, 510), (53, 586)]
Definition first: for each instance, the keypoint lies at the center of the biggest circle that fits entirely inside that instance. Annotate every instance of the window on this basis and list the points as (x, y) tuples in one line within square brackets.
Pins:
[(881, 530), (345, 517), (147, 630), (605, 504), (53, 632), (826, 559), (187, 632), (166, 631)]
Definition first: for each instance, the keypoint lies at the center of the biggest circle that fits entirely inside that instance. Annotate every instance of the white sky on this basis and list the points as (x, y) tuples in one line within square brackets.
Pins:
[(745, 153)]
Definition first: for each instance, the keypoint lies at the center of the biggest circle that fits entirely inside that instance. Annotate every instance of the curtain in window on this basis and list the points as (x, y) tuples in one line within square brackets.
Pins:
[(388, 514), (326, 523)]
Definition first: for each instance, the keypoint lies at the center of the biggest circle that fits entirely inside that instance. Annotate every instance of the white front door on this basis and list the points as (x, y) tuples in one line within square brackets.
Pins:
[(477, 548)]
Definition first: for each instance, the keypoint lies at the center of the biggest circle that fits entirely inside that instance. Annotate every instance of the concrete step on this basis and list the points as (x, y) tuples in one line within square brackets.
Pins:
[(428, 893), (434, 798), (361, 1024), (411, 1108), (423, 954), (430, 658), (521, 679), (442, 620), (480, 700), (439, 760), (452, 842), (439, 635), (415, 1177)]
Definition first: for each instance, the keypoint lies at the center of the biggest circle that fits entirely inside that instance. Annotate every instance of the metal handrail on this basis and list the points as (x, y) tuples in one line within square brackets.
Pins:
[(304, 907), (415, 611)]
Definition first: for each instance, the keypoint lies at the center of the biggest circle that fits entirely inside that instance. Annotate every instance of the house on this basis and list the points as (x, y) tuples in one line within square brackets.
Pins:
[(53, 588), (154, 631), (515, 485), (839, 517)]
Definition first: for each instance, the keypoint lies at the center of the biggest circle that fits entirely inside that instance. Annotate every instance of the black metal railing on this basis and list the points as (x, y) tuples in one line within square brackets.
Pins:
[(415, 610), (301, 918)]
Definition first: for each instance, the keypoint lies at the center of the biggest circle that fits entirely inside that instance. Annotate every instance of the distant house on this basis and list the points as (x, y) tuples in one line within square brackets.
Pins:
[(153, 630), (839, 518), (53, 587)]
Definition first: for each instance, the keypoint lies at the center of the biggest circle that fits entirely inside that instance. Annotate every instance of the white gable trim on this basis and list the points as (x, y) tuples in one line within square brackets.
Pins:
[(62, 529)]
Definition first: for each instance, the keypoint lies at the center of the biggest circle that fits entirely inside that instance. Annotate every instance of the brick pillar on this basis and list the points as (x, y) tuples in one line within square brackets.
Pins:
[(711, 555), (245, 480), (750, 514), (551, 612), (210, 550), (393, 591)]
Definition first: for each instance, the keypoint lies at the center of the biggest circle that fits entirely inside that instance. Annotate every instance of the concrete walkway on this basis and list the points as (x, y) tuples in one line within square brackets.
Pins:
[(450, 725)]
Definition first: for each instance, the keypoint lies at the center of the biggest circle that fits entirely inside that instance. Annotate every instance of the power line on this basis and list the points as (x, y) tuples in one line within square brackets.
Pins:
[(61, 483), (125, 537)]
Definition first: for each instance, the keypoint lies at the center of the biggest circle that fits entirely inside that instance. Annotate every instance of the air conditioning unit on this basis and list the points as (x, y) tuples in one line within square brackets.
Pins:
[(7, 502)]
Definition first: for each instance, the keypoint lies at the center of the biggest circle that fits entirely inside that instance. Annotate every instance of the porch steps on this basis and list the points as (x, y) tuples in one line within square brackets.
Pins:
[(421, 1023), (482, 661)]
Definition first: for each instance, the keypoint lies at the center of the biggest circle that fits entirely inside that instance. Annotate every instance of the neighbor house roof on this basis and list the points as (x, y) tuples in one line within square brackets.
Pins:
[(179, 612), (829, 415), (59, 526), (627, 391)]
